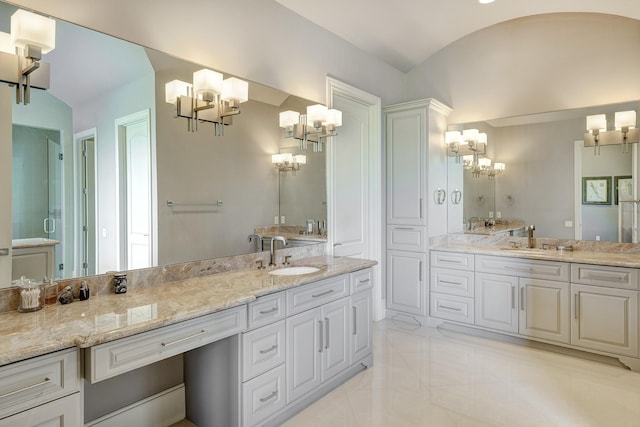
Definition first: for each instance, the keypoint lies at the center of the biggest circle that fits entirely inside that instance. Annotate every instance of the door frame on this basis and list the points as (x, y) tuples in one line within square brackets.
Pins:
[(374, 103), (78, 137), (121, 201)]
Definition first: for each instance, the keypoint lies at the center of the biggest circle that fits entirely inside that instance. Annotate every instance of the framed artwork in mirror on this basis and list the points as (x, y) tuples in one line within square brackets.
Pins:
[(623, 188), (596, 190)]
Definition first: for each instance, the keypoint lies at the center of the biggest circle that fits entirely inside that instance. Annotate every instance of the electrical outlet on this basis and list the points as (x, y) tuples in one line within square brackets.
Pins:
[(498, 214), (282, 219), (568, 223), (275, 219), (104, 232), (490, 214), (597, 238)]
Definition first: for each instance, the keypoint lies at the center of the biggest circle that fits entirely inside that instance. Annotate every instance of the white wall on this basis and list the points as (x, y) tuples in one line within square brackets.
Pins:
[(534, 64), (258, 40)]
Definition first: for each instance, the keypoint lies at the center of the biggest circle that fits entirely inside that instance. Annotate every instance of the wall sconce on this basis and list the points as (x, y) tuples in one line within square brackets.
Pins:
[(319, 122), (498, 169), (209, 99), (286, 162), (625, 131), (467, 142), (482, 166), (21, 52)]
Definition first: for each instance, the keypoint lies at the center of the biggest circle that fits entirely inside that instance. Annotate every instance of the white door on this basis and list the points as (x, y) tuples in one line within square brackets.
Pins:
[(544, 309), (354, 187), (406, 287), (335, 337), (303, 353), (361, 333), (135, 163)]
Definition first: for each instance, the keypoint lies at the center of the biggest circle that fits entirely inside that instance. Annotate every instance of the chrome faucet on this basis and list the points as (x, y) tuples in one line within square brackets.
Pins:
[(256, 238), (531, 243), (471, 221), (273, 249)]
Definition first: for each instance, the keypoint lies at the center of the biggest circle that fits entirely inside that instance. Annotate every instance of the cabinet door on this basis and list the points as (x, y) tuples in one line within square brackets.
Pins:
[(361, 334), (406, 160), (62, 412), (495, 302), (605, 319), (406, 287), (335, 338), (303, 352), (544, 309)]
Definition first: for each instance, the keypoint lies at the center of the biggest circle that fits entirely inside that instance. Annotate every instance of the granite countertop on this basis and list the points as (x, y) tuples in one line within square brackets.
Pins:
[(297, 236), (105, 318), (33, 242), (494, 229), (576, 256)]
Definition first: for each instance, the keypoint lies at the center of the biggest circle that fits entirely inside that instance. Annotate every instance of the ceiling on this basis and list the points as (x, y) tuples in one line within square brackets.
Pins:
[(405, 33)]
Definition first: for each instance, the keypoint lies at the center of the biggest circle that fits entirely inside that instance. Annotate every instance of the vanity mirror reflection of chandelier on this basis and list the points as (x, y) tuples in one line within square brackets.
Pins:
[(209, 99)]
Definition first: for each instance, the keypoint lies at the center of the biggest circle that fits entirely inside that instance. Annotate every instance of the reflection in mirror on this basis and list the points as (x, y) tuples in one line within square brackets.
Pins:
[(540, 186), (123, 152)]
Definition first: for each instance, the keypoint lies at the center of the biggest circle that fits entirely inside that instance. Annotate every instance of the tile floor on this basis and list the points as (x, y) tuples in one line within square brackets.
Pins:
[(431, 377)]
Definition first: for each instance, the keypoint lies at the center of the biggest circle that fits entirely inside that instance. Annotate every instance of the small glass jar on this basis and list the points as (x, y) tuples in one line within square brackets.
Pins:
[(50, 291), (31, 295)]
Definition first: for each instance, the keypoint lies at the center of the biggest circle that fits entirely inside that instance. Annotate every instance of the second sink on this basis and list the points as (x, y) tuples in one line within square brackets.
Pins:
[(293, 271)]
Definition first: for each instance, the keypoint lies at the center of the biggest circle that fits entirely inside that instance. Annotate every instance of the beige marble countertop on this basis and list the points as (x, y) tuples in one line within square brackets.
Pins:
[(33, 242), (576, 256), (297, 236), (494, 229), (105, 318)]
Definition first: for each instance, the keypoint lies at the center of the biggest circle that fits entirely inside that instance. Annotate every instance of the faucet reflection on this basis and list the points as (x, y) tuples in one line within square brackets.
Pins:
[(531, 243)]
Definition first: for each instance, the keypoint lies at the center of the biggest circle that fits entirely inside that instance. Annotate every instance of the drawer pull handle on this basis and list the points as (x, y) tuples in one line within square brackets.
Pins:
[(269, 350), (169, 344), (447, 282), (268, 398), (450, 261), (365, 281), (355, 320), (449, 308), (320, 335), (274, 309), (404, 228), (605, 278), (510, 267), (29, 387), (326, 339), (330, 291)]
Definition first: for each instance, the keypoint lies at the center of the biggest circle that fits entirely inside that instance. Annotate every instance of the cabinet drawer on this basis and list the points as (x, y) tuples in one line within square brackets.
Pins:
[(61, 412), (361, 280), (451, 307), (454, 260), (452, 282), (599, 275), (114, 358), (35, 381), (267, 309), (535, 269), (262, 349), (406, 238), (314, 295), (263, 396)]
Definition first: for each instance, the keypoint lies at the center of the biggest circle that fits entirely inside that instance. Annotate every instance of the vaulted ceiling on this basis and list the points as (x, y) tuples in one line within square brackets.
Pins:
[(404, 33)]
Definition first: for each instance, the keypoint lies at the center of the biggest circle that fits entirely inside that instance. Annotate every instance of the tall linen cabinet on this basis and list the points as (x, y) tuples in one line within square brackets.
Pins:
[(417, 196)]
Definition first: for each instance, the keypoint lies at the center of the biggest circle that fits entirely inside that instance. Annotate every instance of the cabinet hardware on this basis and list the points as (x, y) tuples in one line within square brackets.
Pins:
[(450, 261), (330, 291), (420, 272), (271, 396), (449, 308), (440, 196), (404, 228), (326, 340), (513, 297), (29, 387), (456, 197), (510, 267), (447, 282), (320, 336), (355, 320), (269, 350), (168, 344), (605, 278), (365, 281), (575, 306), (272, 310), (420, 201), (522, 298)]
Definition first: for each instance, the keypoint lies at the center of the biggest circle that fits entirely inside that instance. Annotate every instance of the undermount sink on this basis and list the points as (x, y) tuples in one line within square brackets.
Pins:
[(293, 271)]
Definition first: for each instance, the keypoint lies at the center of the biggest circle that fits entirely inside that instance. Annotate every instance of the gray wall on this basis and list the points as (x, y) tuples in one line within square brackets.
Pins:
[(200, 167)]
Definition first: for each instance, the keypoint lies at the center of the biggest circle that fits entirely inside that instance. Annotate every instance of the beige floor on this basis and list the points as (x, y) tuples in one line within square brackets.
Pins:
[(430, 377)]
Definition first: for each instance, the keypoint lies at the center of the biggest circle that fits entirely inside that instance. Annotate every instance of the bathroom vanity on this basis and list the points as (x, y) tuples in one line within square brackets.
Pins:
[(257, 347), (575, 299)]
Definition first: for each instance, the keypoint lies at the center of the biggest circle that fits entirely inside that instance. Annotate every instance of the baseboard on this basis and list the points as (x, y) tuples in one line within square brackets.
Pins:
[(162, 409)]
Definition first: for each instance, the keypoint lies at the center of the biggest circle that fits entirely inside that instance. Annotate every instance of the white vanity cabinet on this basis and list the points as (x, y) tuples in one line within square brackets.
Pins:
[(495, 302), (324, 331), (544, 309), (452, 286), (416, 199), (605, 317), (42, 391)]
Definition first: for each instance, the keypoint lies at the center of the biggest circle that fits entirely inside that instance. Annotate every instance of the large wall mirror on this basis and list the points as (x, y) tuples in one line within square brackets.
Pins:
[(101, 165), (546, 164)]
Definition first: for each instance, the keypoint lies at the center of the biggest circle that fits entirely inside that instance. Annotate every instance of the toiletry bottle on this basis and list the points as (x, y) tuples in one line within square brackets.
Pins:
[(50, 290)]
